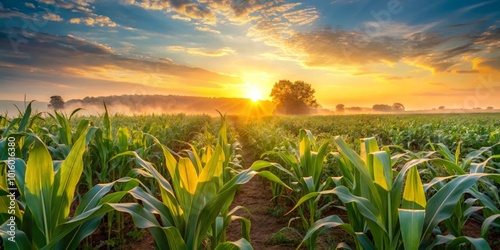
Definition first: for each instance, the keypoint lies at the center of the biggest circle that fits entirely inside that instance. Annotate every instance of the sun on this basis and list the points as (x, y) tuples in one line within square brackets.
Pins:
[(254, 94)]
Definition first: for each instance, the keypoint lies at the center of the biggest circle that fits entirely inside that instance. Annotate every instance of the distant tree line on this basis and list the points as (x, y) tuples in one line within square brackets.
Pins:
[(396, 107)]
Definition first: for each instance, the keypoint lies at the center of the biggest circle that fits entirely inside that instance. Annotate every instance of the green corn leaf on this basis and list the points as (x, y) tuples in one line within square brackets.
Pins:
[(487, 223), (440, 206), (18, 241), (359, 164), (327, 222), (13, 123), (444, 151), (241, 244), (245, 226), (141, 218), (411, 222), (26, 117), (453, 242), (38, 188), (174, 238)]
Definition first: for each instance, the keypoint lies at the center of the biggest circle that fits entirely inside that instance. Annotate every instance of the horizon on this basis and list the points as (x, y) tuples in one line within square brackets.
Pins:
[(123, 106), (353, 52)]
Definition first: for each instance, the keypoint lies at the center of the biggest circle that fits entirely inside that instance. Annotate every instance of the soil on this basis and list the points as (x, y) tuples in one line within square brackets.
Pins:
[(256, 197)]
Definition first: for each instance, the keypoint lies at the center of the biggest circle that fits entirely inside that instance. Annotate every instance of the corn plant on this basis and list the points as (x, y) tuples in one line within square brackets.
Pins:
[(381, 213), (304, 172), (482, 192), (42, 209), (195, 203), (61, 133)]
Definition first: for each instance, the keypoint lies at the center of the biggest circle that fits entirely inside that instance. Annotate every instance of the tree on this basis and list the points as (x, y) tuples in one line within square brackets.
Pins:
[(398, 107), (382, 107), (340, 108), (293, 98), (354, 109), (56, 102)]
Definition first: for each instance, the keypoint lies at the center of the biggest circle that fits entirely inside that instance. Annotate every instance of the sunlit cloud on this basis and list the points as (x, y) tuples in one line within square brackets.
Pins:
[(203, 52), (52, 17), (90, 21), (184, 7), (207, 29), (73, 56), (179, 17)]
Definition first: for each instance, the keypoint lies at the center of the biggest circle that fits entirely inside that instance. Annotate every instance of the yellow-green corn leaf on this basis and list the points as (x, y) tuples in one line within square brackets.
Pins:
[(380, 167), (66, 180), (187, 175), (413, 195), (38, 187), (368, 145)]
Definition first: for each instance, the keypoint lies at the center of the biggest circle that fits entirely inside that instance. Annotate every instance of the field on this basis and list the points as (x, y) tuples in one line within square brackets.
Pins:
[(181, 181)]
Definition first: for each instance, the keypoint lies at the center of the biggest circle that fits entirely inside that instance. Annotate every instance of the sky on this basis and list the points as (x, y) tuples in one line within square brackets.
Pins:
[(423, 54)]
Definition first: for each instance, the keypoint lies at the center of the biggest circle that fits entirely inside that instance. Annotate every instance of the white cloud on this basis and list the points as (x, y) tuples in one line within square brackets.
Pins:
[(52, 17), (29, 5)]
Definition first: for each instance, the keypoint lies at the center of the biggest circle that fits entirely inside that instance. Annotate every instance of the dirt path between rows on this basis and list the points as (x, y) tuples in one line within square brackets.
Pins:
[(256, 196)]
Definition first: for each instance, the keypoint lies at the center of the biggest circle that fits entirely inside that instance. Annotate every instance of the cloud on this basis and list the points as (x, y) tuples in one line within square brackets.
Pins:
[(207, 29), (302, 17), (183, 18), (474, 6), (203, 52), (465, 71), (52, 17), (70, 56), (492, 63), (58, 3), (186, 8), (490, 39), (337, 48), (13, 13), (98, 20), (330, 47), (395, 29), (29, 5)]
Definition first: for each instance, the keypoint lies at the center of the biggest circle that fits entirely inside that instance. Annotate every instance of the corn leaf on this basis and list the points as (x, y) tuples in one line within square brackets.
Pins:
[(38, 188)]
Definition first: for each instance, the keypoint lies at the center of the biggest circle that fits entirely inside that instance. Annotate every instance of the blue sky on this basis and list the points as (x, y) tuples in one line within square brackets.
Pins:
[(423, 54)]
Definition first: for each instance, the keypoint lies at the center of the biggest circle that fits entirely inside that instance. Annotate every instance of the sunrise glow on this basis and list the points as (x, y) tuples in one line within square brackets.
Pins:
[(356, 53), (254, 94)]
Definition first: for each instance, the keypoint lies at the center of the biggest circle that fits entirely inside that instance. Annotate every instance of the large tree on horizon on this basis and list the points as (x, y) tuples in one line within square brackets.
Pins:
[(293, 98), (56, 102)]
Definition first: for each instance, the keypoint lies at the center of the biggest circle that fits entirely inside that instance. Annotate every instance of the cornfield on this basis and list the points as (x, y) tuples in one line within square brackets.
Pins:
[(402, 182)]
